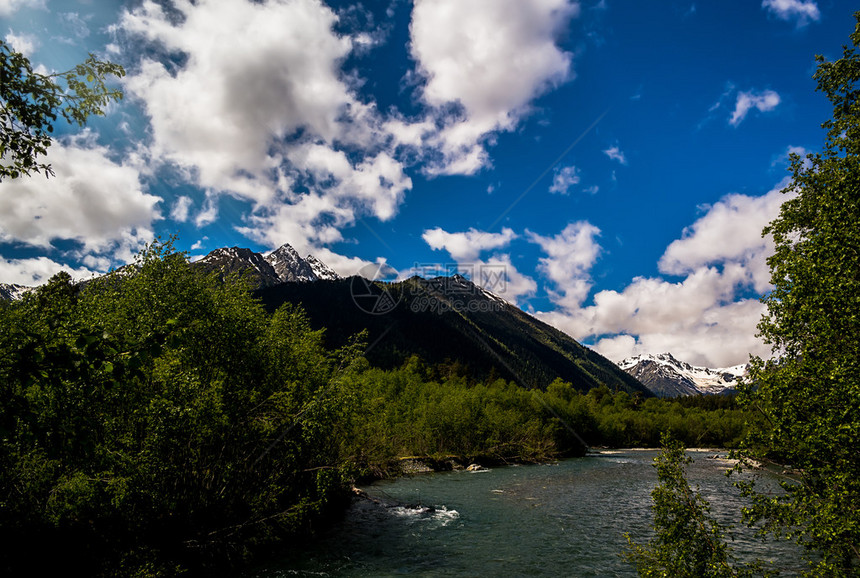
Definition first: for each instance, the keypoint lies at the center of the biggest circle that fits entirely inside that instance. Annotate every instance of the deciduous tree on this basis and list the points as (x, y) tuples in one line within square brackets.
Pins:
[(809, 392), (31, 103)]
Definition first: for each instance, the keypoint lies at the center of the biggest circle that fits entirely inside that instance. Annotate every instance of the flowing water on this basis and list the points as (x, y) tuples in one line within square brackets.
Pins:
[(564, 519)]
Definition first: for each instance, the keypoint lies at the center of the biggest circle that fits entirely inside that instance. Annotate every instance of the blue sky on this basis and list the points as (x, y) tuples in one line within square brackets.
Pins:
[(617, 160)]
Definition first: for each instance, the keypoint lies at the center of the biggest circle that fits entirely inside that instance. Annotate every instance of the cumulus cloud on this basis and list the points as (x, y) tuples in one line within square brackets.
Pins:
[(705, 318), (181, 207), (9, 7), (802, 11), (494, 58), (467, 246), (728, 234), (110, 214), (310, 220), (273, 119), (563, 179), (698, 320), (762, 101), (377, 182), (26, 44), (221, 113), (570, 257), (499, 275), (36, 271), (267, 117), (209, 213)]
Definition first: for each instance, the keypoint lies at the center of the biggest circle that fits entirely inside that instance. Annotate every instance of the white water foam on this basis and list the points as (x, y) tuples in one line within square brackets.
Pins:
[(440, 514)]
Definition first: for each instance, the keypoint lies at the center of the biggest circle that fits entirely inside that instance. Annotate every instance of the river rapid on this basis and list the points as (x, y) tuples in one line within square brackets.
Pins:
[(562, 519)]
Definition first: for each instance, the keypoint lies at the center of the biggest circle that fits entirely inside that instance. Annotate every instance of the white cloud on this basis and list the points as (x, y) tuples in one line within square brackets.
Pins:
[(496, 273), (564, 179), (570, 256), (221, 114), (467, 246), (514, 284), (209, 213), (268, 117), (616, 154), (345, 266), (32, 272), (378, 182), (26, 44), (311, 220), (763, 101), (9, 7), (108, 214), (705, 318), (803, 11), (729, 234), (272, 118), (181, 207), (699, 320), (494, 58)]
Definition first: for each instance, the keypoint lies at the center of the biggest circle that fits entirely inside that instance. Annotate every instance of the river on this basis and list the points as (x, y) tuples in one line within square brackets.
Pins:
[(564, 519)]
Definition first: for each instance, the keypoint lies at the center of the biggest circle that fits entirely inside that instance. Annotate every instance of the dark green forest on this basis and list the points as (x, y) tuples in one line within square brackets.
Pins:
[(159, 420)]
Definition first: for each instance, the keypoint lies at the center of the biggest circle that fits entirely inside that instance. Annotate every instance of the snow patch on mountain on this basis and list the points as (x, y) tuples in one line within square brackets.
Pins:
[(280, 266), (320, 269), (12, 291), (289, 266), (668, 377), (283, 265)]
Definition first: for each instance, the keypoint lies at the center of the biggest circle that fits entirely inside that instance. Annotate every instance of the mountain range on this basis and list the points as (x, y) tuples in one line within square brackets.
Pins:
[(283, 265), (666, 376), (447, 321)]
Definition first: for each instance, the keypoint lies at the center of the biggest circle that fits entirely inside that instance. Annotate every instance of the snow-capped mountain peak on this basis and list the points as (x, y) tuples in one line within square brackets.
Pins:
[(228, 260), (289, 266), (670, 377), (12, 291), (320, 269), (280, 266)]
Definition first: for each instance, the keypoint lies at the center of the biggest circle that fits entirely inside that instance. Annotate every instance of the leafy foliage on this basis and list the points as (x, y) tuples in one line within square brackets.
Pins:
[(162, 417), (810, 392), (159, 420), (30, 104), (434, 411), (689, 542)]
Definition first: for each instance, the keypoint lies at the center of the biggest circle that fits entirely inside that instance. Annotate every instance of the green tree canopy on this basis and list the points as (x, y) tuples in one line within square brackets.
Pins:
[(30, 104), (160, 418), (810, 391)]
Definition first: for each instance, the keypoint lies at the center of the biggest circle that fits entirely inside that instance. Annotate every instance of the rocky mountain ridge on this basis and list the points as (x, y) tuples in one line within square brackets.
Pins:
[(12, 291), (263, 270), (666, 376), (283, 265), (446, 322)]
